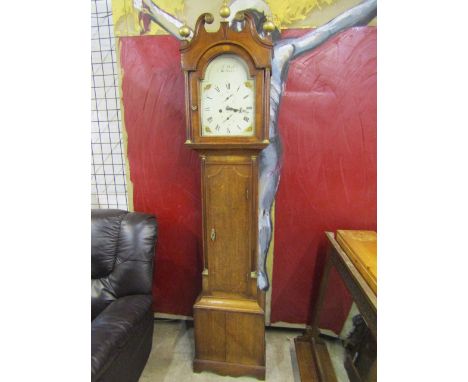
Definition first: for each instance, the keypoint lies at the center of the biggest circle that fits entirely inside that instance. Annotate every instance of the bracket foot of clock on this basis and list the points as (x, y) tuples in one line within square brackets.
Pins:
[(229, 369)]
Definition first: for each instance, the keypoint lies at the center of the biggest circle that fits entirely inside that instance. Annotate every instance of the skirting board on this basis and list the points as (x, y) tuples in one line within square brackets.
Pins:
[(279, 324), (287, 325), (172, 316)]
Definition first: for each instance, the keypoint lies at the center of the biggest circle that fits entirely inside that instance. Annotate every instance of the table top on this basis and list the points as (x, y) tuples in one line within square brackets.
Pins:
[(361, 248)]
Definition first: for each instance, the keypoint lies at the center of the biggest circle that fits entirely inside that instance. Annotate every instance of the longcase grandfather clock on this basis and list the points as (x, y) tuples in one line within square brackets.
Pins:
[(227, 77)]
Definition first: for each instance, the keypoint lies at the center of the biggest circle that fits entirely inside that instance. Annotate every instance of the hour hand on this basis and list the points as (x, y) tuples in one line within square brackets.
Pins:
[(231, 108)]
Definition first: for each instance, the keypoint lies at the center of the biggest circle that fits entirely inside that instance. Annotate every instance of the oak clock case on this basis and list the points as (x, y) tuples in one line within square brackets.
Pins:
[(227, 77)]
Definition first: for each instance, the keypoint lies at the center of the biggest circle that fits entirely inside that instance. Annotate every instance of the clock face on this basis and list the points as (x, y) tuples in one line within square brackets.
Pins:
[(227, 98)]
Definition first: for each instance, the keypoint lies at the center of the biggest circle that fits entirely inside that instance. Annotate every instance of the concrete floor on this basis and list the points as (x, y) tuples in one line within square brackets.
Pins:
[(173, 350)]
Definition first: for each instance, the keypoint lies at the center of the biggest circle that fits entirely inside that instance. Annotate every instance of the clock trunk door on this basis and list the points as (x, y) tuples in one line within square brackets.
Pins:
[(228, 227)]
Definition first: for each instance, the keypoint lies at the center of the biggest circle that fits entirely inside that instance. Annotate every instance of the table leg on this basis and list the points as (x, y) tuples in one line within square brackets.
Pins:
[(313, 358)]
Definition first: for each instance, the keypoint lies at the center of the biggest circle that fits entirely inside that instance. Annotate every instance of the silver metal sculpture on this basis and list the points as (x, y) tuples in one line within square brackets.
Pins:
[(284, 51)]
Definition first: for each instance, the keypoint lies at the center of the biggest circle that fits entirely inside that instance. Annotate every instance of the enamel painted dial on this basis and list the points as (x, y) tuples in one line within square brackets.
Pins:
[(227, 98)]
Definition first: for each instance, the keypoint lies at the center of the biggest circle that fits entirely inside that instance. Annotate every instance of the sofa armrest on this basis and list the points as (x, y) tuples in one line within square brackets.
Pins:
[(113, 327)]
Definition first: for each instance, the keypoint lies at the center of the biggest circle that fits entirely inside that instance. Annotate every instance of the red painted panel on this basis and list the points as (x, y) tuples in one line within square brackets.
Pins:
[(327, 123), (328, 126), (165, 174)]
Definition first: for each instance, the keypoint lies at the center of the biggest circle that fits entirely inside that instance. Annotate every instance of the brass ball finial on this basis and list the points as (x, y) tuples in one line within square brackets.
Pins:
[(268, 26), (184, 31), (224, 11)]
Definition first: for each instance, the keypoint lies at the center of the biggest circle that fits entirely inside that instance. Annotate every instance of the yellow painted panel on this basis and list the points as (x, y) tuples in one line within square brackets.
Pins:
[(320, 15), (127, 20), (286, 13)]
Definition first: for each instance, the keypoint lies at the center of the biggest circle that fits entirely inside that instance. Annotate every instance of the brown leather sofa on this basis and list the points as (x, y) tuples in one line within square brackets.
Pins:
[(122, 251)]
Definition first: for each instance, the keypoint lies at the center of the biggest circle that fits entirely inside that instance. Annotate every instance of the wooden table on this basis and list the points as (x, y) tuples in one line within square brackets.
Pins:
[(312, 355)]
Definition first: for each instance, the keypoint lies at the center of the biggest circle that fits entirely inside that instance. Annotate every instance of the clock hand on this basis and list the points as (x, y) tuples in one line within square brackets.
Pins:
[(227, 119), (231, 108), (228, 97), (240, 110)]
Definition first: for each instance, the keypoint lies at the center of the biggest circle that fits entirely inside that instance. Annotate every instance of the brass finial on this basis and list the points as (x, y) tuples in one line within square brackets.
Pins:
[(224, 11), (268, 26), (184, 31)]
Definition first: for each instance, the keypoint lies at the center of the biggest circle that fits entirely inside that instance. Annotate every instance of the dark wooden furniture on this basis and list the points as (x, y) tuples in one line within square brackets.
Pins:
[(312, 355), (229, 313)]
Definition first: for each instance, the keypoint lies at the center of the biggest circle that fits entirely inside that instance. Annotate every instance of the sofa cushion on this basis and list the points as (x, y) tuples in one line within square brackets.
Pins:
[(120, 321), (122, 250), (105, 229)]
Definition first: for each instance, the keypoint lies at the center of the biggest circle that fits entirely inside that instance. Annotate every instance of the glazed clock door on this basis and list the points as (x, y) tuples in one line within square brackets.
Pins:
[(227, 98), (228, 227)]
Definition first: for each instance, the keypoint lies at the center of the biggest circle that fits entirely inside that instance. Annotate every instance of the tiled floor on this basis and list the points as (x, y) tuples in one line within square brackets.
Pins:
[(173, 347)]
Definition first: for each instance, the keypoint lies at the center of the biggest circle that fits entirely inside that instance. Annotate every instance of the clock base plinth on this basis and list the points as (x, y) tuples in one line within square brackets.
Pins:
[(229, 336)]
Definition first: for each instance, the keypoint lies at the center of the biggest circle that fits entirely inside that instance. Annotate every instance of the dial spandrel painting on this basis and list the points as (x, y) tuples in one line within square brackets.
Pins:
[(227, 96)]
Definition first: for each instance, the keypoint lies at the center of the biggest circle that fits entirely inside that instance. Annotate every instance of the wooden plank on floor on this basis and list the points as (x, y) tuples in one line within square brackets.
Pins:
[(325, 365), (305, 360)]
